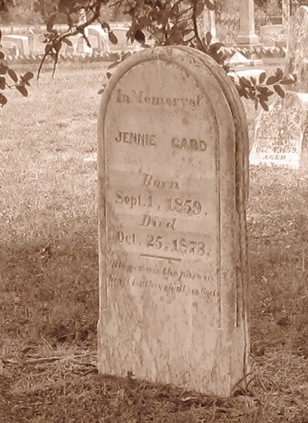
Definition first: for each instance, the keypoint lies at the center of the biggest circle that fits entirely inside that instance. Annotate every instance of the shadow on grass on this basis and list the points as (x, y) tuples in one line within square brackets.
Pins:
[(50, 289)]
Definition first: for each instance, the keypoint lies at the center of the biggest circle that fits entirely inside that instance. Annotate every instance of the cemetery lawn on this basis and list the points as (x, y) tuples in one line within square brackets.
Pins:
[(49, 277)]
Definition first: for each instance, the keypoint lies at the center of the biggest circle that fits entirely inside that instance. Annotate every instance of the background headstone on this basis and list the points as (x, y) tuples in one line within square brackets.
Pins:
[(297, 52), (270, 33), (247, 33), (207, 23), (20, 41), (279, 133), (173, 267)]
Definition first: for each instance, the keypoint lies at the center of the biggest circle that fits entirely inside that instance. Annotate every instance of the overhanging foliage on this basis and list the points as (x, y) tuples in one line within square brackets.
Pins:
[(168, 22)]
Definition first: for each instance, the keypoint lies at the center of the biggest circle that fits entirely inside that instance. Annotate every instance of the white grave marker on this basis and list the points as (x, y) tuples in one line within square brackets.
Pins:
[(172, 188), (280, 132)]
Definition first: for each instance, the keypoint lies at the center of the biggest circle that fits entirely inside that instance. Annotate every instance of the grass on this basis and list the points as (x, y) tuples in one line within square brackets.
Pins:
[(49, 278)]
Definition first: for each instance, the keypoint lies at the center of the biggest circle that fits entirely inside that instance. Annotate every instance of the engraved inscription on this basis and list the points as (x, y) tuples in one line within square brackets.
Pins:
[(189, 207), (188, 144), (181, 245), (127, 239), (162, 191), (166, 271), (156, 222), (183, 206), (143, 140), (181, 279), (140, 97), (154, 243), (149, 283), (149, 181), (132, 201)]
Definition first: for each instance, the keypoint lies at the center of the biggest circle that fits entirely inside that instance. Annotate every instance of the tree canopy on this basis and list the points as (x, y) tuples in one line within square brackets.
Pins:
[(169, 22)]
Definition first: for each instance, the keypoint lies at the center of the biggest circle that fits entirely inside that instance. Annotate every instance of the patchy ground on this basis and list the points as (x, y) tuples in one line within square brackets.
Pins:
[(49, 278)]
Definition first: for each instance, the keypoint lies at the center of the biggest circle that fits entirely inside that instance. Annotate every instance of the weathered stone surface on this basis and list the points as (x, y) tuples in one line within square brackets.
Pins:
[(297, 52), (172, 189), (247, 33), (280, 132)]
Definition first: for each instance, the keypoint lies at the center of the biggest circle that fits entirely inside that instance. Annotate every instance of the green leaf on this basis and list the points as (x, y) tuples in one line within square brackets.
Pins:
[(51, 21), (112, 37), (2, 83), (263, 90), (210, 5), (48, 47), (126, 55), (253, 80), (67, 41), (245, 82), (3, 7), (288, 80), (114, 64), (279, 74), (264, 105), (279, 91), (139, 36), (271, 80), (13, 75), (262, 77), (22, 89), (3, 68), (57, 46), (26, 78), (106, 26), (216, 46), (208, 37), (3, 100)]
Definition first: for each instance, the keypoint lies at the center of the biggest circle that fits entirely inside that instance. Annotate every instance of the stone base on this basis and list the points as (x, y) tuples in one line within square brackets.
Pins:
[(238, 59), (247, 39)]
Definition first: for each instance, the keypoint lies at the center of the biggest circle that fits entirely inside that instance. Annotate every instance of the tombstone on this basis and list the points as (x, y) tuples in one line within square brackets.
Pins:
[(20, 41), (172, 160), (285, 8), (208, 24), (269, 34), (82, 46), (247, 33), (98, 38), (72, 49), (238, 59), (280, 132), (297, 53)]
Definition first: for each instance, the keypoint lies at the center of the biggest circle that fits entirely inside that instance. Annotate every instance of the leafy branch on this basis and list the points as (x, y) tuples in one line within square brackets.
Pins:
[(19, 82), (259, 91), (167, 22)]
